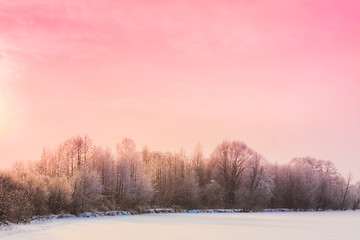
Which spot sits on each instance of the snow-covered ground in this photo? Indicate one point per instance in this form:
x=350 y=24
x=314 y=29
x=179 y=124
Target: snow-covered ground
x=209 y=226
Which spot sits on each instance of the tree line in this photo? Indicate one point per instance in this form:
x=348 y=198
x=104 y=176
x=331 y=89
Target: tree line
x=79 y=176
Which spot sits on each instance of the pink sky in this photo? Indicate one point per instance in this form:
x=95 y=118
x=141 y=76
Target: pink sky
x=282 y=76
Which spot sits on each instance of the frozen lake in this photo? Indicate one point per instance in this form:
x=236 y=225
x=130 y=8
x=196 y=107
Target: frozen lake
x=209 y=226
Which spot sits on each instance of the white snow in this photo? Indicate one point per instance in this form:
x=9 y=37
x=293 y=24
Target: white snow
x=225 y=226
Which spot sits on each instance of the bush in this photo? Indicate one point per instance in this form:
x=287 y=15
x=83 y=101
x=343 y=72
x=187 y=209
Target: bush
x=14 y=201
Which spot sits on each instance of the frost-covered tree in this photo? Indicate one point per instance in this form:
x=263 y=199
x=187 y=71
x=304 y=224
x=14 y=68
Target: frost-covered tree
x=308 y=183
x=157 y=166
x=212 y=195
x=188 y=192
x=229 y=163
x=14 y=200
x=79 y=176
x=60 y=192
x=199 y=167
x=346 y=190
x=257 y=185
x=37 y=193
x=133 y=186
x=103 y=162
x=87 y=190
x=355 y=196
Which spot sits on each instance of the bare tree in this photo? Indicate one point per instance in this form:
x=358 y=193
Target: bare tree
x=355 y=196
x=230 y=160
x=346 y=190
x=198 y=166
x=258 y=183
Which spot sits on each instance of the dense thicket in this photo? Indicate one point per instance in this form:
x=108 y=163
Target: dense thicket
x=79 y=176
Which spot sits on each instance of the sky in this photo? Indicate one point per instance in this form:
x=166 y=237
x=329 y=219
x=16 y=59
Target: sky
x=281 y=76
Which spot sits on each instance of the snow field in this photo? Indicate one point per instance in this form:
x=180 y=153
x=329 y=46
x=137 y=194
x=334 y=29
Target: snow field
x=210 y=226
